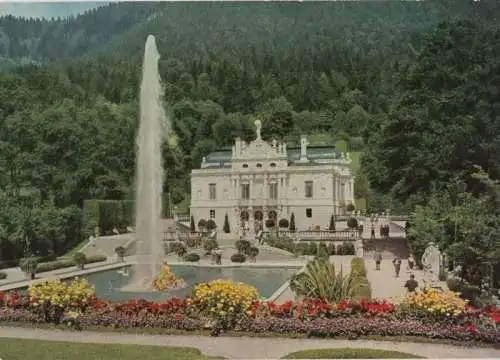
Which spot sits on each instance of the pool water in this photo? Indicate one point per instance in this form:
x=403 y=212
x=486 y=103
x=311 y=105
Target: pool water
x=266 y=280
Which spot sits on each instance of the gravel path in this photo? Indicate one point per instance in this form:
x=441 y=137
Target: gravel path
x=245 y=347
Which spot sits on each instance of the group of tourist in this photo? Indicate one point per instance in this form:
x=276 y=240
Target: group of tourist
x=411 y=285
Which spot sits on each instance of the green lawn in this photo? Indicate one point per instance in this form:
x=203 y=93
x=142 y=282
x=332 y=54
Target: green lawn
x=350 y=353
x=20 y=349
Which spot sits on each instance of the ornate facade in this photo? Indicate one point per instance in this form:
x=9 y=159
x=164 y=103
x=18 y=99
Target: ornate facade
x=256 y=181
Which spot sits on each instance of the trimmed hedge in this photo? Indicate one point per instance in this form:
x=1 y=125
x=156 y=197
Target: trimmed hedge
x=15 y=263
x=192 y=257
x=106 y=215
x=3 y=275
x=238 y=258
x=362 y=287
x=346 y=248
x=66 y=263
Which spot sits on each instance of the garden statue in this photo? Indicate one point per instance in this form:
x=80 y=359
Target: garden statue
x=431 y=260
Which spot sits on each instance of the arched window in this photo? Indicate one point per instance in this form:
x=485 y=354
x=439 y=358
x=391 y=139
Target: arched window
x=245 y=166
x=273 y=165
x=259 y=165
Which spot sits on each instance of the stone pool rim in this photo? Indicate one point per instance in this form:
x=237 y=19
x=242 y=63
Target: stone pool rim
x=23 y=284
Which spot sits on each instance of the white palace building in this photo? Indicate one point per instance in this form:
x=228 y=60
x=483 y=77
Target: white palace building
x=256 y=181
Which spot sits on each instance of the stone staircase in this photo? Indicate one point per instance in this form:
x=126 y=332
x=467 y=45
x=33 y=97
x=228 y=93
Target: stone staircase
x=388 y=247
x=170 y=225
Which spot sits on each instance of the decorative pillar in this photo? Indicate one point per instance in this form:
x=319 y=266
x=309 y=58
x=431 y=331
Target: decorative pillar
x=335 y=198
x=251 y=192
x=237 y=188
x=352 y=190
x=281 y=182
x=285 y=190
x=266 y=196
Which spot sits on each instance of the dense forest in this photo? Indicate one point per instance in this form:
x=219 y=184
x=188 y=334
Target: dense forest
x=412 y=86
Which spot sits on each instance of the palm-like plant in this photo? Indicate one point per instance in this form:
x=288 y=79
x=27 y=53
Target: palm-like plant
x=319 y=281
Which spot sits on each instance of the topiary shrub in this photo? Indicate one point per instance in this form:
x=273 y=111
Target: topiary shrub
x=352 y=223
x=322 y=250
x=80 y=259
x=226 y=227
x=312 y=248
x=202 y=224
x=350 y=207
x=331 y=227
x=340 y=249
x=192 y=227
x=192 y=257
x=190 y=242
x=283 y=223
x=348 y=248
x=238 y=258
x=270 y=223
x=301 y=248
x=178 y=248
x=242 y=246
x=292 y=227
x=331 y=249
x=252 y=252
x=210 y=245
x=211 y=225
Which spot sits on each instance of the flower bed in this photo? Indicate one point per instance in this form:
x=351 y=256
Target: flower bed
x=224 y=305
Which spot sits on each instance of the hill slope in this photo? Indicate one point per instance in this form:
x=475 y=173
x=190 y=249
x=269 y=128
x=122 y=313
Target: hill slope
x=185 y=29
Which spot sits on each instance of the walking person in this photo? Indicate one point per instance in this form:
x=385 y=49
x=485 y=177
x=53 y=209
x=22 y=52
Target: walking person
x=411 y=262
x=411 y=285
x=373 y=232
x=378 y=259
x=218 y=255
x=397 y=265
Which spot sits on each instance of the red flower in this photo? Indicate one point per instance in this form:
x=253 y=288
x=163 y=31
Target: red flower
x=471 y=328
x=178 y=317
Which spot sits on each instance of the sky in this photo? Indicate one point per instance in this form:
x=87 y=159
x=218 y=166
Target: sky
x=47 y=9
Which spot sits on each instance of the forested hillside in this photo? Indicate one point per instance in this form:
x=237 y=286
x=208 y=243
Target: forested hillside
x=413 y=85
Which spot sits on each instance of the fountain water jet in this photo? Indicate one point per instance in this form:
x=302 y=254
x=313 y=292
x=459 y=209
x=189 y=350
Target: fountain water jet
x=149 y=173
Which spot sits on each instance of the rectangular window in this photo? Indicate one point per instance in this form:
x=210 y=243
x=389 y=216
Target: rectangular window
x=309 y=213
x=309 y=189
x=212 y=190
x=212 y=214
x=245 y=191
x=273 y=191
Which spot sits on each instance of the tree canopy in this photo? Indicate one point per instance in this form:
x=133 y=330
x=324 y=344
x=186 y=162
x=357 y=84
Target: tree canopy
x=412 y=87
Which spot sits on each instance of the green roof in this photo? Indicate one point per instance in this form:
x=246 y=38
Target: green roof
x=222 y=157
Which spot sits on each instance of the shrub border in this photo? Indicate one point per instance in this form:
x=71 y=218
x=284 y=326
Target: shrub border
x=66 y=263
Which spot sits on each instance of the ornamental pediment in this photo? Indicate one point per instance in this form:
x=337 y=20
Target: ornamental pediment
x=258 y=149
